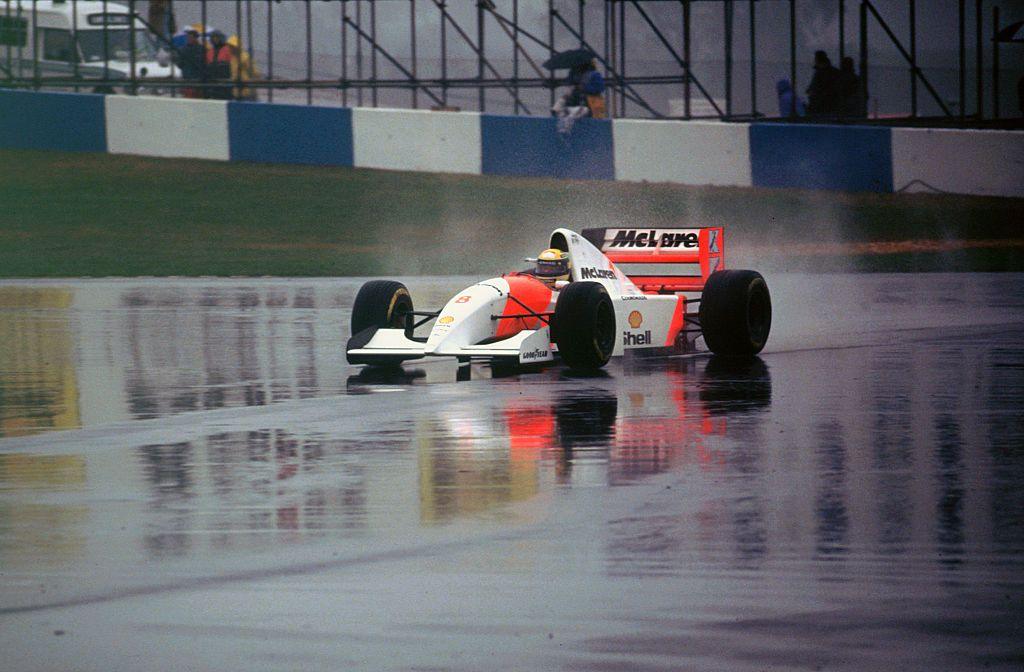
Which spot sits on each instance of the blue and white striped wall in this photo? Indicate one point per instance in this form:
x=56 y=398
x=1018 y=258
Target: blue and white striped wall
x=805 y=156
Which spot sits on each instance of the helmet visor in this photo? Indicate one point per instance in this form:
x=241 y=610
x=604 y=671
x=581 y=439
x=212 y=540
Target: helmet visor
x=552 y=268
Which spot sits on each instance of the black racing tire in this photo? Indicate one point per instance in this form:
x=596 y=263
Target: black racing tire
x=381 y=304
x=585 y=328
x=735 y=313
x=586 y=420
x=730 y=384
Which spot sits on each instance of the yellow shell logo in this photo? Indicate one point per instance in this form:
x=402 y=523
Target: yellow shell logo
x=635 y=319
x=447 y=319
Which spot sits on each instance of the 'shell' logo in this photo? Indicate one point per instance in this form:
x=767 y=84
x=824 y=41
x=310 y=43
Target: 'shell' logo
x=447 y=319
x=635 y=319
x=629 y=338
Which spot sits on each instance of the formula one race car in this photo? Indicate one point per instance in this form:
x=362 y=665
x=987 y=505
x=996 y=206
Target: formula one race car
x=598 y=310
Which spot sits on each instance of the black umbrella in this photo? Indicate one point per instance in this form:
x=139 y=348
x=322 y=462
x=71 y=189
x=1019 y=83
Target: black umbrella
x=1011 y=33
x=569 y=59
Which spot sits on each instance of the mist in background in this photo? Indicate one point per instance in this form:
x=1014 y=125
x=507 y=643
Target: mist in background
x=817 y=27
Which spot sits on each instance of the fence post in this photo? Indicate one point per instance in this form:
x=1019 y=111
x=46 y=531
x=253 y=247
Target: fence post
x=482 y=99
x=864 y=55
x=270 y=48
x=309 y=53
x=727 y=20
x=753 y=59
x=792 y=56
x=412 y=45
x=962 y=56
x=686 y=58
x=979 y=58
x=913 y=58
x=995 y=62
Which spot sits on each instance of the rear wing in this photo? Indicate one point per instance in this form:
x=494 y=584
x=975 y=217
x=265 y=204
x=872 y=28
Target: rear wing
x=684 y=258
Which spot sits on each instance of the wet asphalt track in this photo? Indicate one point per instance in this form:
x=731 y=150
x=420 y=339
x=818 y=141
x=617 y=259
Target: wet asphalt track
x=227 y=493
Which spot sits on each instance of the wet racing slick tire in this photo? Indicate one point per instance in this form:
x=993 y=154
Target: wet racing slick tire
x=381 y=304
x=735 y=313
x=584 y=325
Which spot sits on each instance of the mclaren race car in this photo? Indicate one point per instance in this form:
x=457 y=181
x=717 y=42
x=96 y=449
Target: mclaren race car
x=625 y=291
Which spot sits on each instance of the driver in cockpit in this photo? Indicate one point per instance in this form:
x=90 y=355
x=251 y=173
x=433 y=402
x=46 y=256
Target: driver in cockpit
x=552 y=266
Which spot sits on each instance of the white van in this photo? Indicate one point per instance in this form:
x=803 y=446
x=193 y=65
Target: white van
x=80 y=40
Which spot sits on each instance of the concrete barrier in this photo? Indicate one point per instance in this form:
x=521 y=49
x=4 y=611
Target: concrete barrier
x=807 y=156
x=420 y=140
x=532 y=146
x=290 y=134
x=698 y=153
x=172 y=127
x=813 y=156
x=989 y=163
x=69 y=122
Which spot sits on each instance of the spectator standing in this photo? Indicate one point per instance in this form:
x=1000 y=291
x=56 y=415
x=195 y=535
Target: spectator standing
x=851 y=97
x=191 y=58
x=218 y=66
x=242 y=69
x=790 y=104
x=823 y=93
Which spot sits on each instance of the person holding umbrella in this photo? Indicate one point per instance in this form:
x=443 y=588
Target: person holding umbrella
x=585 y=97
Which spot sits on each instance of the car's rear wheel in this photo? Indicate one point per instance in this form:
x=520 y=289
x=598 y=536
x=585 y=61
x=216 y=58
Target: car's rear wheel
x=584 y=325
x=381 y=304
x=735 y=313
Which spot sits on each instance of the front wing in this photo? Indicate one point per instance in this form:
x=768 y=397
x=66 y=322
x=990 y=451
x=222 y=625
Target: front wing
x=392 y=345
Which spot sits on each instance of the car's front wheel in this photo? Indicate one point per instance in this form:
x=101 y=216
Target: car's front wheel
x=584 y=325
x=381 y=304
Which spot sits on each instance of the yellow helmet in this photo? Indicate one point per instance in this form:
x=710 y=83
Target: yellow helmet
x=553 y=265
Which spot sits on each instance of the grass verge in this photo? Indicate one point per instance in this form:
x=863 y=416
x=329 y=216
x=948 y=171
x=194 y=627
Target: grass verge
x=70 y=215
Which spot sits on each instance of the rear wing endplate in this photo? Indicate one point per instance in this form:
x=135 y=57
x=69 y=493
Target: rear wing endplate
x=685 y=257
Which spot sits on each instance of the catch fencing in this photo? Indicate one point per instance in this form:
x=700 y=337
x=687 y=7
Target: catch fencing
x=664 y=59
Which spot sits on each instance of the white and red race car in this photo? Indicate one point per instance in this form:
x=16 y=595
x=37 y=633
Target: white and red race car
x=629 y=290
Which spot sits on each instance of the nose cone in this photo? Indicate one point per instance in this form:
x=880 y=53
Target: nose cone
x=466 y=319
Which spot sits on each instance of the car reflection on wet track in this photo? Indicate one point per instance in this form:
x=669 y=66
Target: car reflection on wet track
x=224 y=485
